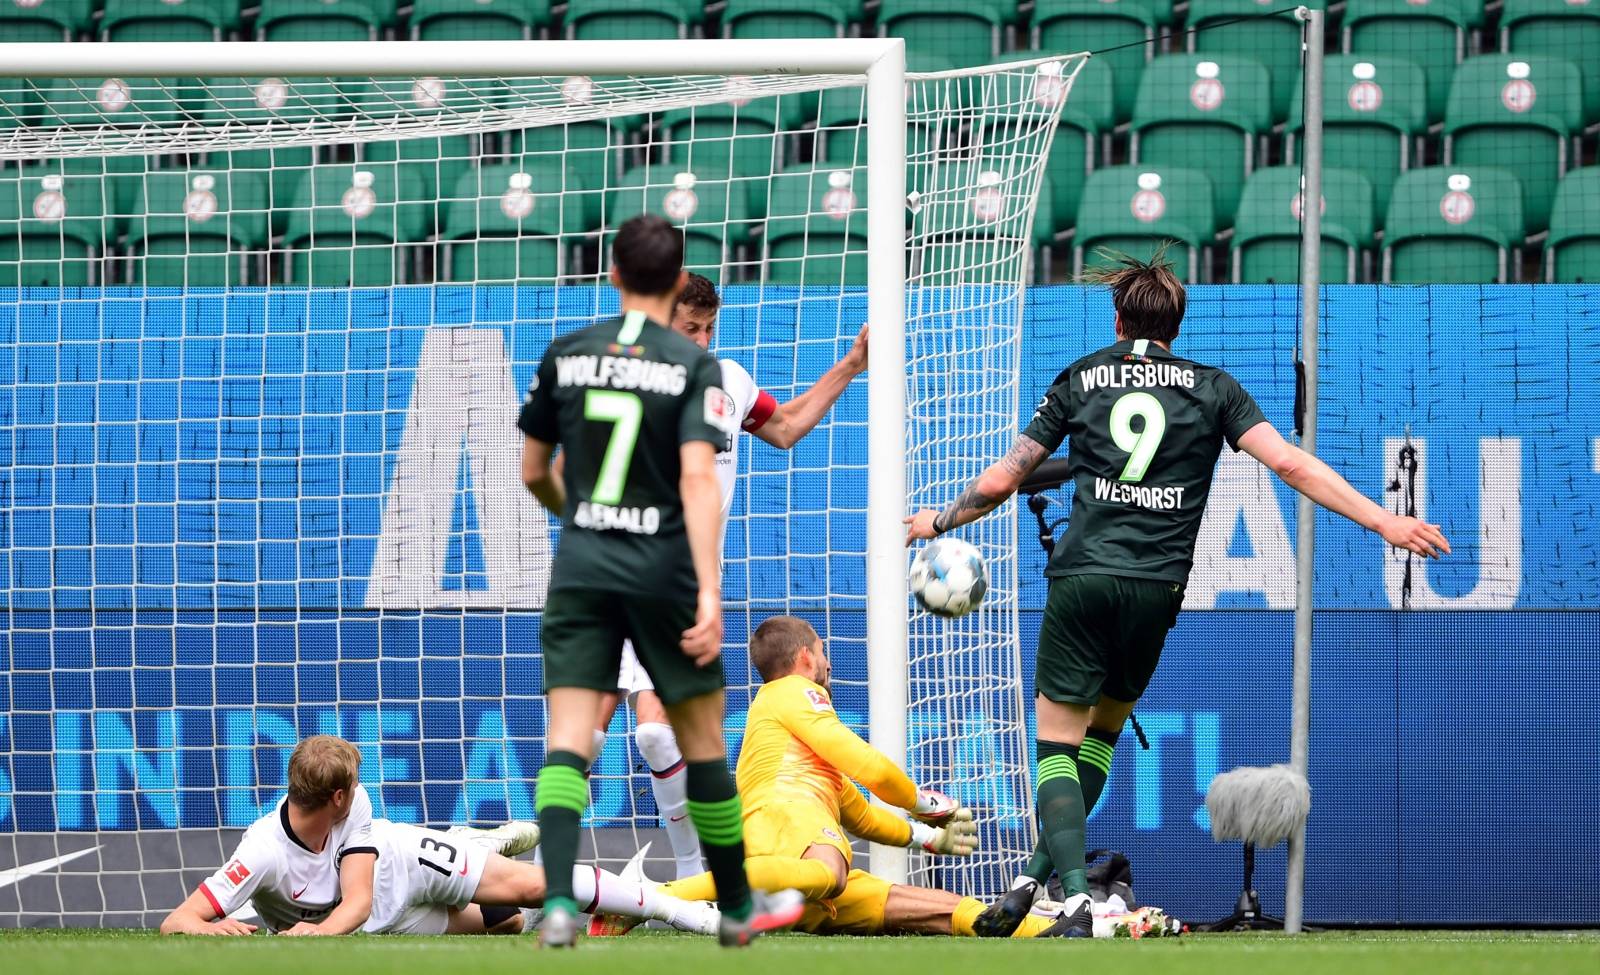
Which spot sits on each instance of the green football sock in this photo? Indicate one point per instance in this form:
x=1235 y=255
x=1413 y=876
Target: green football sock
x=719 y=820
x=1094 y=768
x=562 y=794
x=1061 y=813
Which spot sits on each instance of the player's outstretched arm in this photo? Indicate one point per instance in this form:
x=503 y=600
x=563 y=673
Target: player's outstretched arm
x=983 y=495
x=791 y=421
x=355 y=898
x=196 y=916
x=702 y=516
x=541 y=476
x=1319 y=482
x=957 y=837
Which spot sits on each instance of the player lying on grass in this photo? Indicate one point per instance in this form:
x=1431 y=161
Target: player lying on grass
x=320 y=864
x=782 y=425
x=794 y=774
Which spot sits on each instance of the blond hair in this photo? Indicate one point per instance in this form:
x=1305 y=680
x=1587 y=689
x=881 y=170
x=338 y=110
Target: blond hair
x=320 y=766
x=1148 y=297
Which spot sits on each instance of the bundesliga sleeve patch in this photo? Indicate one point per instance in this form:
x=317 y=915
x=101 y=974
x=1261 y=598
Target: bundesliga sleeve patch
x=236 y=873
x=719 y=411
x=819 y=701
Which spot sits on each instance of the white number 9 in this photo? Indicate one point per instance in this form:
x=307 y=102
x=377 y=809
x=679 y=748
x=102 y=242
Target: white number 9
x=1140 y=446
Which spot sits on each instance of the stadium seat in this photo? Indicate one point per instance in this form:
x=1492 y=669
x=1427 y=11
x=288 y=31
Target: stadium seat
x=1236 y=27
x=510 y=222
x=641 y=20
x=592 y=148
x=1203 y=112
x=19 y=103
x=112 y=101
x=727 y=140
x=47 y=20
x=323 y=20
x=1572 y=251
x=1374 y=113
x=1124 y=29
x=479 y=20
x=763 y=19
x=1450 y=225
x=1432 y=34
x=816 y=228
x=168 y=20
x=1266 y=237
x=714 y=214
x=51 y=228
x=257 y=102
x=963 y=32
x=1136 y=209
x=1517 y=112
x=198 y=228
x=1087 y=114
x=842 y=139
x=437 y=161
x=1559 y=29
x=965 y=208
x=349 y=225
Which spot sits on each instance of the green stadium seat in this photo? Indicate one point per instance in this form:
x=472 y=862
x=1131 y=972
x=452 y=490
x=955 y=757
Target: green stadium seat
x=1206 y=112
x=168 y=20
x=1517 y=112
x=592 y=148
x=816 y=228
x=1124 y=29
x=437 y=161
x=283 y=168
x=1137 y=209
x=349 y=226
x=52 y=231
x=778 y=19
x=1266 y=237
x=1087 y=115
x=47 y=20
x=19 y=103
x=964 y=32
x=714 y=214
x=1572 y=251
x=1239 y=29
x=198 y=228
x=642 y=20
x=323 y=20
x=257 y=101
x=964 y=209
x=479 y=20
x=1374 y=112
x=726 y=141
x=1450 y=225
x=113 y=101
x=510 y=222
x=1561 y=29
x=842 y=139
x=1433 y=35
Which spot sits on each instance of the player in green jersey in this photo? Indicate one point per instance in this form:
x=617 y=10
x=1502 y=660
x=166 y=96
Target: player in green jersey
x=639 y=413
x=1146 y=428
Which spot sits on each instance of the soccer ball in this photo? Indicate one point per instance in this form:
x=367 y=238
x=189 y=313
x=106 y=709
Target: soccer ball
x=948 y=577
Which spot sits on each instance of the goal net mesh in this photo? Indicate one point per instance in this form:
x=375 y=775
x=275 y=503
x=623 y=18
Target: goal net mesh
x=264 y=340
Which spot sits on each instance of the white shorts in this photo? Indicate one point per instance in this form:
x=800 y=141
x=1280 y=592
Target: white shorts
x=421 y=875
x=632 y=677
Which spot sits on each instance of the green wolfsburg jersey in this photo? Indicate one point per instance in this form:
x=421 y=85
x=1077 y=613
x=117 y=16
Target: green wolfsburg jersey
x=1146 y=428
x=621 y=397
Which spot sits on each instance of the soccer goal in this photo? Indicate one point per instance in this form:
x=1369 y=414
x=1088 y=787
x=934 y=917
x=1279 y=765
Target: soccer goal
x=267 y=312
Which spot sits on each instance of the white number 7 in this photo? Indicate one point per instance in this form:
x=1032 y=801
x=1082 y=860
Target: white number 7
x=1141 y=446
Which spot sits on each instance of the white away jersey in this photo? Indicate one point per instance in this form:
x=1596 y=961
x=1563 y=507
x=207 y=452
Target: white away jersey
x=279 y=875
x=753 y=408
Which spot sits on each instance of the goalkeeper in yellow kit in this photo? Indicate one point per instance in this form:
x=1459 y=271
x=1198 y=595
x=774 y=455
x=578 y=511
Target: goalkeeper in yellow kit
x=794 y=777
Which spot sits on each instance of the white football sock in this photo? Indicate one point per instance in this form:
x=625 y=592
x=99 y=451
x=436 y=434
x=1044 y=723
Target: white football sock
x=600 y=891
x=660 y=750
x=599 y=746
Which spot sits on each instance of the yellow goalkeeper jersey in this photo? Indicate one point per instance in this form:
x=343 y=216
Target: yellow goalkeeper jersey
x=797 y=751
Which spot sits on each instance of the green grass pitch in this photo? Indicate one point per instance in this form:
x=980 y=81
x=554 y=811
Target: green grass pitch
x=1402 y=953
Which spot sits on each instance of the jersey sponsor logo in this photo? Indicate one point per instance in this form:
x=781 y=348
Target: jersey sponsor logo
x=819 y=701
x=1155 y=498
x=605 y=517
x=620 y=372
x=236 y=872
x=633 y=351
x=720 y=413
x=1137 y=375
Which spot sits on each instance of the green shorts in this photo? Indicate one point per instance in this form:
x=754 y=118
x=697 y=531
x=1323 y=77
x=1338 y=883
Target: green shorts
x=1103 y=635
x=582 y=635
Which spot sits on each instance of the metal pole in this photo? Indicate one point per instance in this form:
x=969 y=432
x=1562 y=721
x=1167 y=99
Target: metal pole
x=1306 y=528
x=887 y=624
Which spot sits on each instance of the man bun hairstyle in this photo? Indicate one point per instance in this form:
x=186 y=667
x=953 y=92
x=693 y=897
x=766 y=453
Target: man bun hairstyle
x=1148 y=297
x=699 y=292
x=648 y=255
x=320 y=766
x=777 y=642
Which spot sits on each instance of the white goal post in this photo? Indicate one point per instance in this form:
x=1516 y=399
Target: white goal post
x=948 y=246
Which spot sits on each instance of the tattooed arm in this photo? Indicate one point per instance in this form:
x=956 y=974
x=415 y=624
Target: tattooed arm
x=983 y=495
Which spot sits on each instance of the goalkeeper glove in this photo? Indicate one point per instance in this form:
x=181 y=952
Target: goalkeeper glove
x=934 y=807
x=958 y=837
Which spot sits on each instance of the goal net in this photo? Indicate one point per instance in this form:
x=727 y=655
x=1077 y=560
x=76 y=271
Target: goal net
x=264 y=341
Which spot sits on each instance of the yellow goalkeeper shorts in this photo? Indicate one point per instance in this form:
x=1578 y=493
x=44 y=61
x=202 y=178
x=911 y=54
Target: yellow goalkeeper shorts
x=788 y=829
x=859 y=910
